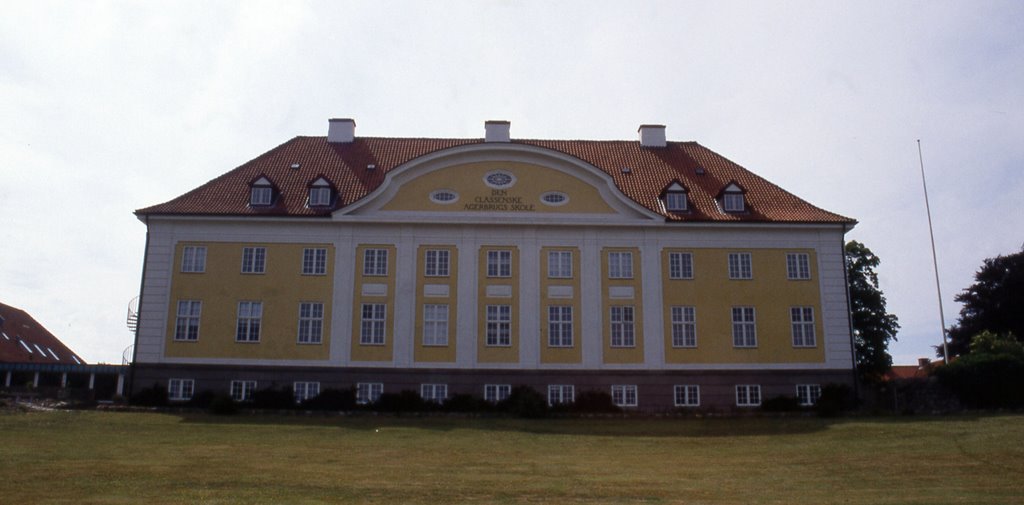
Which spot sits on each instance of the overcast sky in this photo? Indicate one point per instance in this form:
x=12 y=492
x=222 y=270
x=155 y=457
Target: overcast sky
x=107 y=107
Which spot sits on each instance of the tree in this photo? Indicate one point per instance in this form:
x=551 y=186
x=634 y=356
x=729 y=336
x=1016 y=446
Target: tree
x=873 y=327
x=994 y=303
x=991 y=376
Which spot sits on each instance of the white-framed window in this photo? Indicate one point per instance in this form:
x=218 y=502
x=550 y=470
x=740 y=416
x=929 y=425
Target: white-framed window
x=680 y=265
x=684 y=326
x=436 y=262
x=444 y=196
x=250 y=317
x=180 y=390
x=624 y=395
x=495 y=393
x=319 y=196
x=554 y=198
x=314 y=261
x=802 y=319
x=254 y=260
x=311 y=322
x=499 y=179
x=623 y=331
x=193 y=259
x=241 y=391
x=499 y=325
x=808 y=394
x=435 y=324
x=186 y=326
x=732 y=201
x=261 y=196
x=375 y=262
x=675 y=201
x=560 y=264
x=499 y=263
x=687 y=395
x=436 y=393
x=305 y=390
x=368 y=392
x=560 y=394
x=740 y=266
x=560 y=325
x=748 y=395
x=744 y=327
x=371 y=326
x=620 y=265
x=798 y=266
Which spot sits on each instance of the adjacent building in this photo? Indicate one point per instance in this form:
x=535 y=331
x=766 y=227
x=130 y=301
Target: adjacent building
x=657 y=271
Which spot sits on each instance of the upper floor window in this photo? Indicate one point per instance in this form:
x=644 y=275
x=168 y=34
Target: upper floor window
x=560 y=325
x=740 y=266
x=620 y=265
x=261 y=193
x=435 y=324
x=744 y=327
x=193 y=259
x=437 y=262
x=560 y=264
x=733 y=199
x=623 y=331
x=319 y=196
x=375 y=262
x=499 y=263
x=680 y=265
x=499 y=179
x=499 y=325
x=554 y=198
x=802 y=320
x=186 y=326
x=684 y=326
x=314 y=261
x=250 y=317
x=311 y=322
x=798 y=266
x=372 y=324
x=675 y=201
x=444 y=196
x=254 y=260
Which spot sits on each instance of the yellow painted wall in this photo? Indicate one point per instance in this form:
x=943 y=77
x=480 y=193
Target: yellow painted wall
x=374 y=352
x=713 y=295
x=549 y=354
x=622 y=354
x=468 y=181
x=281 y=288
x=436 y=353
x=497 y=354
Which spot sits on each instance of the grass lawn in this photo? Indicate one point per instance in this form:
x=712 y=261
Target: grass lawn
x=111 y=457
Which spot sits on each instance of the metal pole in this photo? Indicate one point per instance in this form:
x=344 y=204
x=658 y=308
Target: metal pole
x=935 y=261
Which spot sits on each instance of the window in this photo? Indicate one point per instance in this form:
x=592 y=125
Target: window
x=624 y=396
x=180 y=389
x=314 y=261
x=375 y=262
x=186 y=327
x=620 y=265
x=436 y=393
x=680 y=265
x=241 y=391
x=254 y=260
x=305 y=390
x=739 y=266
x=808 y=394
x=732 y=201
x=371 y=330
x=250 y=315
x=193 y=259
x=499 y=263
x=744 y=333
x=622 y=326
x=687 y=396
x=495 y=393
x=748 y=395
x=560 y=325
x=554 y=198
x=675 y=201
x=499 y=325
x=319 y=196
x=261 y=195
x=560 y=264
x=368 y=392
x=803 y=326
x=444 y=196
x=499 y=179
x=684 y=327
x=436 y=263
x=561 y=394
x=435 y=324
x=311 y=322
x=798 y=266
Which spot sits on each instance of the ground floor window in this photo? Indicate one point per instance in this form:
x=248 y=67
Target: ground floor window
x=368 y=392
x=624 y=396
x=748 y=395
x=687 y=396
x=808 y=394
x=180 y=389
x=561 y=393
x=305 y=390
x=495 y=393
x=241 y=391
x=436 y=393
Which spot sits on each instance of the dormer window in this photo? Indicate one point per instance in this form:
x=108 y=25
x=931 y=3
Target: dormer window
x=321 y=193
x=733 y=199
x=261 y=193
x=674 y=197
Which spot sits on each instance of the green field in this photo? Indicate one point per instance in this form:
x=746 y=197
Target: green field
x=111 y=457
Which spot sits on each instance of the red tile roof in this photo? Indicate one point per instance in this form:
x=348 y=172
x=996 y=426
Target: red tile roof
x=345 y=165
x=24 y=340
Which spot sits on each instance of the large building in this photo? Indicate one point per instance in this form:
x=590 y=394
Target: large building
x=659 y=272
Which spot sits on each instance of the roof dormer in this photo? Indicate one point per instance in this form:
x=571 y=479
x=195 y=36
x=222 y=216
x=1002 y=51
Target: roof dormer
x=321 y=193
x=732 y=198
x=674 y=197
x=262 y=192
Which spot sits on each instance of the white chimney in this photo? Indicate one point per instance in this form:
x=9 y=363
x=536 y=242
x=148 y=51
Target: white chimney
x=496 y=131
x=341 y=130
x=652 y=135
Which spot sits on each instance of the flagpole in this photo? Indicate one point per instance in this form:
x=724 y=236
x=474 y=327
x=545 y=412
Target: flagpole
x=935 y=261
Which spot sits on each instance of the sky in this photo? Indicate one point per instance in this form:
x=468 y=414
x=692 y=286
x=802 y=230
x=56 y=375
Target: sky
x=108 y=107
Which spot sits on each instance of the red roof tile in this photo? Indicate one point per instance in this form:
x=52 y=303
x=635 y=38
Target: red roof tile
x=24 y=340
x=345 y=165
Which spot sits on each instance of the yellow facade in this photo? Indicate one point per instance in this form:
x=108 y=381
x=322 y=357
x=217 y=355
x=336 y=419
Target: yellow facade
x=713 y=295
x=559 y=287
x=428 y=289
x=504 y=291
x=281 y=288
x=374 y=289
x=609 y=299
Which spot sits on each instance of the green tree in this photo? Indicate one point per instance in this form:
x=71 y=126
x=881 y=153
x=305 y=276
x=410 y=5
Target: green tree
x=991 y=375
x=873 y=327
x=994 y=303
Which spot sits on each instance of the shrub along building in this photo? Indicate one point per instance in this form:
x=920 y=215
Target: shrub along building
x=659 y=272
